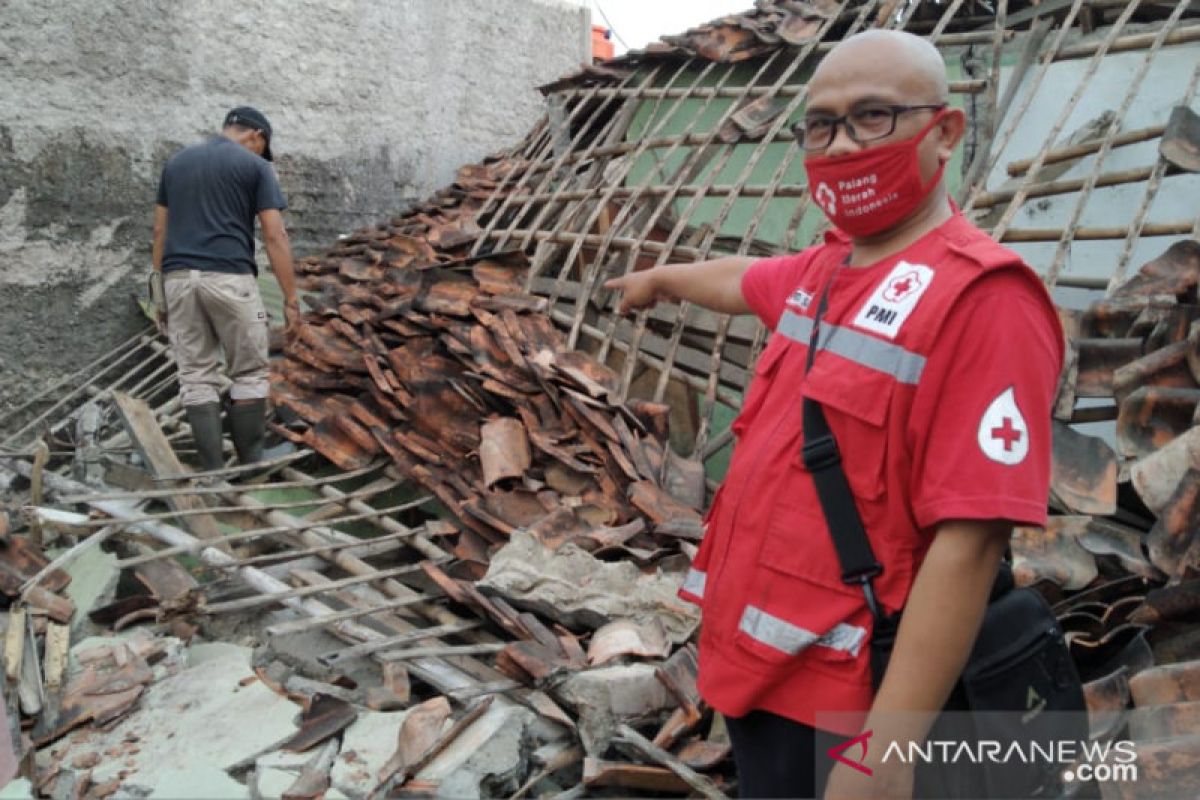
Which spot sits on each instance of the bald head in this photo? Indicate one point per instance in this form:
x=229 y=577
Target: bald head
x=904 y=65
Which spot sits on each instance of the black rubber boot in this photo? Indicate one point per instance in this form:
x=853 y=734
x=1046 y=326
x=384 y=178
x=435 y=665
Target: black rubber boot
x=205 y=420
x=248 y=426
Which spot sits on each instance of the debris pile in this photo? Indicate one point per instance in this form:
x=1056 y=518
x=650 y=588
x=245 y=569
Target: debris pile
x=445 y=365
x=321 y=626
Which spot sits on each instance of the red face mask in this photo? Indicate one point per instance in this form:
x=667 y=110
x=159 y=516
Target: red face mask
x=874 y=189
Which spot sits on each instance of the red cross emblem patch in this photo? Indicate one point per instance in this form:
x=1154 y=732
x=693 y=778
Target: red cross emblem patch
x=902 y=286
x=1003 y=435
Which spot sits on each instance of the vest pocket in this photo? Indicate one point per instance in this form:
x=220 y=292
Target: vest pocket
x=787 y=617
x=764 y=368
x=857 y=404
x=798 y=602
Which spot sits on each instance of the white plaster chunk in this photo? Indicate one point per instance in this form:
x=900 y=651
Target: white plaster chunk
x=573 y=587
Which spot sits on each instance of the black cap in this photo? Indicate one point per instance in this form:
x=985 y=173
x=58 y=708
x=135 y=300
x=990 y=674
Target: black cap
x=249 y=117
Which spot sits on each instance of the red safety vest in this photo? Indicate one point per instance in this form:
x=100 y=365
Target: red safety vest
x=781 y=632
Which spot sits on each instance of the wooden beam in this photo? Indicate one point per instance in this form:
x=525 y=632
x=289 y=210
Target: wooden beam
x=152 y=443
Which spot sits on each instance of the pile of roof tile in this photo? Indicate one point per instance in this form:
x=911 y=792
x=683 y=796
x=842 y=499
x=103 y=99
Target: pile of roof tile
x=1122 y=555
x=446 y=366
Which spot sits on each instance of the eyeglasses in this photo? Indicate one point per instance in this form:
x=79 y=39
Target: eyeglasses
x=863 y=124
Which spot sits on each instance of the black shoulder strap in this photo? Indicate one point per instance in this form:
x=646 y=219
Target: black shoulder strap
x=823 y=460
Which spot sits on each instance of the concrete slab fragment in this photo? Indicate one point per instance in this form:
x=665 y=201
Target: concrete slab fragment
x=485 y=760
x=366 y=747
x=270 y=784
x=187 y=783
x=19 y=789
x=203 y=652
x=604 y=697
x=94 y=575
x=208 y=714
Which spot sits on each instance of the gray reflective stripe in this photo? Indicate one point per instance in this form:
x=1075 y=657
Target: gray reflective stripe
x=903 y=365
x=791 y=639
x=694 y=582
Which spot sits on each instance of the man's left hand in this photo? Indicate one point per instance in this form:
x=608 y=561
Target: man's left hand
x=893 y=781
x=291 y=319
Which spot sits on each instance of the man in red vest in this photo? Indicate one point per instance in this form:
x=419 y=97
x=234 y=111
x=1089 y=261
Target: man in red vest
x=936 y=365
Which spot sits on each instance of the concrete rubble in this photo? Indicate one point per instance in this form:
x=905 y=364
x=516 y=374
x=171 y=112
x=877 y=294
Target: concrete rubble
x=464 y=581
x=576 y=589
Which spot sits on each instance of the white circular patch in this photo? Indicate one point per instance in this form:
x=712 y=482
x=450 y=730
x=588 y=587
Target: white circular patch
x=1003 y=435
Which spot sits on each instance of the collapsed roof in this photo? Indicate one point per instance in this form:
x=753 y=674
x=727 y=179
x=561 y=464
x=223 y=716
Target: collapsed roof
x=468 y=345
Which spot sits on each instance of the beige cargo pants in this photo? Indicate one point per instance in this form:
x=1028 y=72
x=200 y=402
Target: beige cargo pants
x=211 y=312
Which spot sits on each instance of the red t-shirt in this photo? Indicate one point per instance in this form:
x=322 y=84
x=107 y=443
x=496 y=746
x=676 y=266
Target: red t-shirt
x=937 y=379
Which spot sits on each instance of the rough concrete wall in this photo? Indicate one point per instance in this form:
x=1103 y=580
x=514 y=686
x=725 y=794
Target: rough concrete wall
x=375 y=103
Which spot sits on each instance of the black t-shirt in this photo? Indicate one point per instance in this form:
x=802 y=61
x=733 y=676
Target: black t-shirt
x=212 y=192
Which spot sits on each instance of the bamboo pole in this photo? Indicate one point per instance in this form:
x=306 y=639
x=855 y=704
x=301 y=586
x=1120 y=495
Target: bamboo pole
x=1055 y=156
x=572 y=154
x=150 y=494
x=305 y=591
x=1151 y=192
x=999 y=147
x=417 y=541
x=1064 y=243
x=600 y=207
x=1051 y=188
x=540 y=162
x=442 y=675
x=299 y=625
x=132 y=343
x=708 y=396
x=1018 y=200
x=236 y=509
x=622 y=192
x=83 y=387
x=976 y=178
x=1137 y=41
x=1091 y=234
x=367 y=546
x=595 y=240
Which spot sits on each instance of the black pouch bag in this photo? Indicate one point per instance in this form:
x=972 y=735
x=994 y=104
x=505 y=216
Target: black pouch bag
x=1019 y=668
x=1018 y=679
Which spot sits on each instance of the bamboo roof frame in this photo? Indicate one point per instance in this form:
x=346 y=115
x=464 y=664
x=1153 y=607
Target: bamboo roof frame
x=584 y=218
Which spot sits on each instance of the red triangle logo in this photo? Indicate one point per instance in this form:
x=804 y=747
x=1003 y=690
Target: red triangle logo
x=837 y=753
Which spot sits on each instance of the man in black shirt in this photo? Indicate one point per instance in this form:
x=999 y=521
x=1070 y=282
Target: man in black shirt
x=206 y=278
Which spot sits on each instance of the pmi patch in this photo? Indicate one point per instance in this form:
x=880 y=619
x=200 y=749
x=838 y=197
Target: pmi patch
x=894 y=299
x=1003 y=435
x=800 y=300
